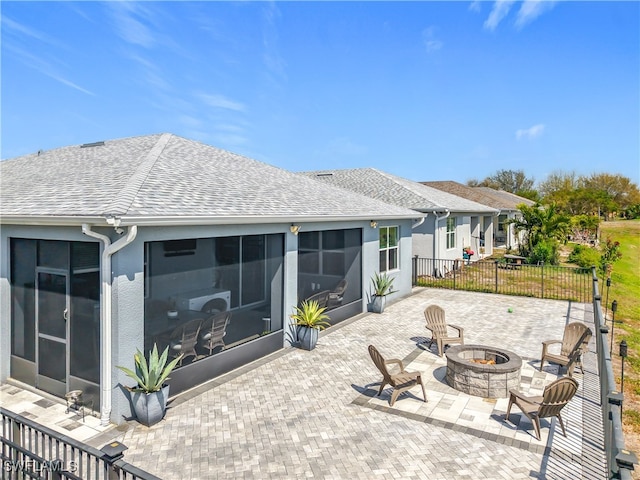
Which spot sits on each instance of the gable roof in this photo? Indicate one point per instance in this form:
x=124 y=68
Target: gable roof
x=163 y=178
x=397 y=190
x=486 y=196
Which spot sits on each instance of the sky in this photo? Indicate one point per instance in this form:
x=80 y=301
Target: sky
x=420 y=89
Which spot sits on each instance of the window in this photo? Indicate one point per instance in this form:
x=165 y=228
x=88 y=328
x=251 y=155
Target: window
x=388 y=248
x=451 y=232
x=197 y=277
x=330 y=262
x=501 y=220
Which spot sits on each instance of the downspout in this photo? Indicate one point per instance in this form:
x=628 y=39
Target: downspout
x=436 y=233
x=105 y=309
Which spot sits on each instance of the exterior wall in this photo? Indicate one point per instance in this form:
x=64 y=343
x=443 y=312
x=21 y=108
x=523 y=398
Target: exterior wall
x=423 y=240
x=127 y=331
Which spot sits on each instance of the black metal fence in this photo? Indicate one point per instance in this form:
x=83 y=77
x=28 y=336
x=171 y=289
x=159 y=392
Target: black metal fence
x=33 y=451
x=540 y=281
x=620 y=462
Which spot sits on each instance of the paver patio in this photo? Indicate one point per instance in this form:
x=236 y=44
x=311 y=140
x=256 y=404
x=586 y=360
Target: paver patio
x=299 y=414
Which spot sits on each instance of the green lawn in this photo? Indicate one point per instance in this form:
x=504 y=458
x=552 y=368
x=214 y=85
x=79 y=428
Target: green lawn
x=625 y=288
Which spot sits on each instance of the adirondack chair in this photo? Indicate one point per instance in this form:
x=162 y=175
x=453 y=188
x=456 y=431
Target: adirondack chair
x=574 y=343
x=400 y=380
x=554 y=398
x=439 y=329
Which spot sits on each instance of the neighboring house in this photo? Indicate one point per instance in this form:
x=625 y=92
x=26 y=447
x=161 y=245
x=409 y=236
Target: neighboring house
x=100 y=241
x=452 y=222
x=507 y=204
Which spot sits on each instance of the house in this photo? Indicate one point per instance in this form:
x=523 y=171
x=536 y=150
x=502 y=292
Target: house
x=506 y=202
x=110 y=247
x=452 y=223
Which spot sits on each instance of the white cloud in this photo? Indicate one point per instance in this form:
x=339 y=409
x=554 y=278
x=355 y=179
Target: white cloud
x=130 y=29
x=220 y=101
x=498 y=12
x=430 y=41
x=532 y=9
x=530 y=133
x=475 y=6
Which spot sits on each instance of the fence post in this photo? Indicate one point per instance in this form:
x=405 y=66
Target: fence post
x=113 y=452
x=414 y=273
x=542 y=279
x=496 y=263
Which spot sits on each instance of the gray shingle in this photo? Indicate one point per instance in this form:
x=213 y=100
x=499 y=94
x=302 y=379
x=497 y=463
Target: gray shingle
x=397 y=190
x=165 y=175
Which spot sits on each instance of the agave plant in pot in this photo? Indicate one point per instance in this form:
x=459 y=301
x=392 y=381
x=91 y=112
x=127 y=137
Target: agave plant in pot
x=309 y=319
x=150 y=396
x=382 y=285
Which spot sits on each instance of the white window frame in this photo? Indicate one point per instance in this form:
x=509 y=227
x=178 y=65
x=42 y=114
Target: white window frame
x=452 y=224
x=389 y=250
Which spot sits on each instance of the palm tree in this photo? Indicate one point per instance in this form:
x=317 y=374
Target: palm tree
x=540 y=225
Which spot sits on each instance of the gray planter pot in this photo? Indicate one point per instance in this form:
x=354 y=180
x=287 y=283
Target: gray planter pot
x=150 y=407
x=307 y=337
x=377 y=304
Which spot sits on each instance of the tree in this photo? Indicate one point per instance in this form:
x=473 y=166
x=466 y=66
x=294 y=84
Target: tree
x=599 y=194
x=513 y=181
x=617 y=192
x=542 y=230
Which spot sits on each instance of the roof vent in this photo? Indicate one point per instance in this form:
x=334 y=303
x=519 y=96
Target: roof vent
x=324 y=174
x=94 y=144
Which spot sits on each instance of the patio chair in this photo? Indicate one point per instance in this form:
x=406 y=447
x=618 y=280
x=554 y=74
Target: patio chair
x=439 y=329
x=574 y=343
x=555 y=396
x=213 y=331
x=321 y=297
x=400 y=380
x=335 y=295
x=184 y=339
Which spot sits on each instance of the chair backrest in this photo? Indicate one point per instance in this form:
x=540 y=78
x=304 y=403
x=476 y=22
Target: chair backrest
x=576 y=335
x=188 y=336
x=434 y=315
x=321 y=297
x=340 y=288
x=378 y=360
x=216 y=325
x=556 y=395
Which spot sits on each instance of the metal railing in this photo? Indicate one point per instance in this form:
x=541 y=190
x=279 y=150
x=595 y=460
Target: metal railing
x=620 y=462
x=33 y=451
x=494 y=276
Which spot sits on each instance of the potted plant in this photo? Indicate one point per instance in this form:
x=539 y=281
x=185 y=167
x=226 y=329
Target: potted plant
x=149 y=397
x=382 y=286
x=309 y=319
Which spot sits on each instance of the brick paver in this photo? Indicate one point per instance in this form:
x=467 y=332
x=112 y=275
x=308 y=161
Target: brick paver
x=299 y=414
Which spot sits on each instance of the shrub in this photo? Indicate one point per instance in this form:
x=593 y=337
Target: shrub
x=584 y=256
x=544 y=252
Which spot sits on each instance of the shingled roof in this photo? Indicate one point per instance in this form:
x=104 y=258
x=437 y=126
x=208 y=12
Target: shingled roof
x=487 y=196
x=397 y=190
x=162 y=178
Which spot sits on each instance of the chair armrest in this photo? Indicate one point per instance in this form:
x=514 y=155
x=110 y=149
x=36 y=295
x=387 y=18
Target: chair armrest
x=551 y=342
x=459 y=329
x=395 y=361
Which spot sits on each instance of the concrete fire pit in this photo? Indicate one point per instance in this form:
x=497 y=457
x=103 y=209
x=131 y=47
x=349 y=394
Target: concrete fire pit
x=483 y=371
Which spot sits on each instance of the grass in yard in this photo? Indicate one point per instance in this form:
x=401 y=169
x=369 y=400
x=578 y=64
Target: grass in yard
x=625 y=288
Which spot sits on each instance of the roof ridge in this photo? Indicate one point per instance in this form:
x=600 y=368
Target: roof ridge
x=121 y=204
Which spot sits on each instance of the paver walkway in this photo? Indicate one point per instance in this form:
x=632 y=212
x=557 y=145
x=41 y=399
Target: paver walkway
x=299 y=414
